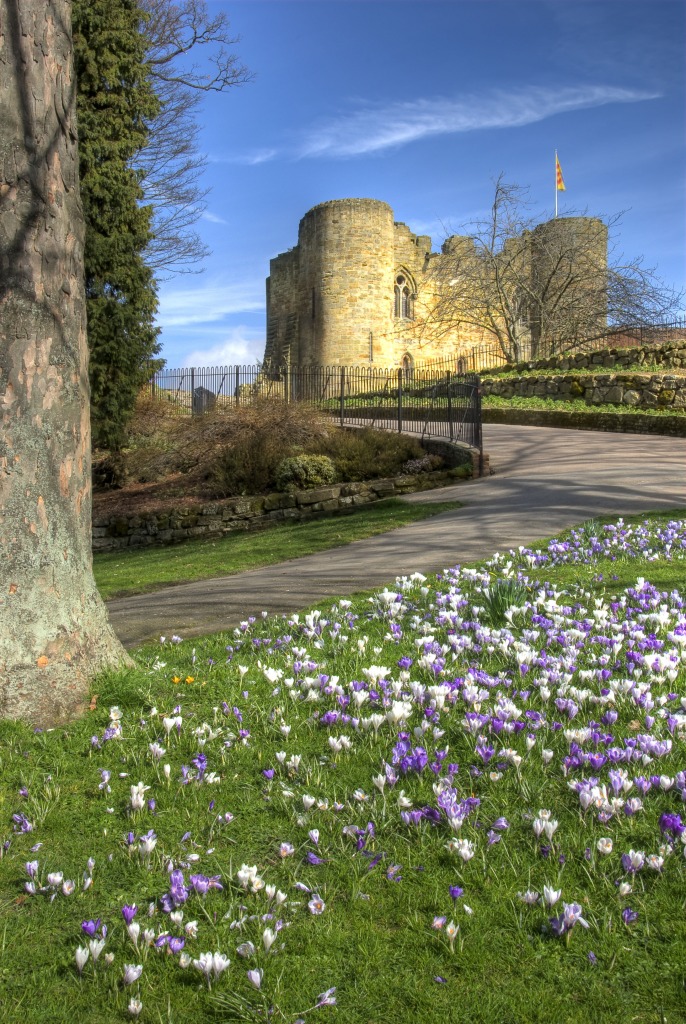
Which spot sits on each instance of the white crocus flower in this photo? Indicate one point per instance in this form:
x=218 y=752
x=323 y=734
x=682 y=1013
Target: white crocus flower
x=96 y=947
x=219 y=964
x=550 y=895
x=132 y=973
x=379 y=781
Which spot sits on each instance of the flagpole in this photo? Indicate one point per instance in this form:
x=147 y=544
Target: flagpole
x=555 y=183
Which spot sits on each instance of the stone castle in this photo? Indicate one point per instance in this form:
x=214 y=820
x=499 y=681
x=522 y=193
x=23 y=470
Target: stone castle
x=360 y=288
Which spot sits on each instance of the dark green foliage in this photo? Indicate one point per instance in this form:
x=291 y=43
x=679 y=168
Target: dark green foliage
x=114 y=101
x=502 y=597
x=302 y=471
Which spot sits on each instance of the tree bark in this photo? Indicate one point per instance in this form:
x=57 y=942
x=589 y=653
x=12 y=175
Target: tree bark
x=55 y=634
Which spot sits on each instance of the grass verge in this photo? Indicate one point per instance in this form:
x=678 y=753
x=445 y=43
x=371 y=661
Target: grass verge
x=143 y=570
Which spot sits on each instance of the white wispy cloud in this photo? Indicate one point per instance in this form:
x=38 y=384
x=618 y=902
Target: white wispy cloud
x=374 y=129
x=212 y=217
x=241 y=344
x=208 y=302
x=250 y=159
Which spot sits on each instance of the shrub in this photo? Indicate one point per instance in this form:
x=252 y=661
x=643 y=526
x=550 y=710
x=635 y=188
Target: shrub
x=261 y=436
x=368 y=454
x=241 y=450
x=303 y=471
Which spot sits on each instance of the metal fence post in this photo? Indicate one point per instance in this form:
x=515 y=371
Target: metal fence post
x=478 y=435
x=342 y=395
x=238 y=382
x=400 y=401
x=192 y=385
x=450 y=405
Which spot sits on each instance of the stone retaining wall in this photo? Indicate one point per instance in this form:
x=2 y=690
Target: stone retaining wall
x=616 y=422
x=638 y=390
x=218 y=518
x=671 y=355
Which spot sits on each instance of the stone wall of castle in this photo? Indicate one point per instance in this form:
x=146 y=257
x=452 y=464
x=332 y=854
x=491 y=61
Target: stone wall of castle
x=331 y=300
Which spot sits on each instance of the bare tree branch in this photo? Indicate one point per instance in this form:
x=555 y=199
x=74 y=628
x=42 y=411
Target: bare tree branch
x=171 y=165
x=176 y=30
x=538 y=288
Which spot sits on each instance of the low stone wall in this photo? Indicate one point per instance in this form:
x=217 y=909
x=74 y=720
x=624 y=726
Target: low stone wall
x=616 y=422
x=218 y=518
x=671 y=355
x=638 y=390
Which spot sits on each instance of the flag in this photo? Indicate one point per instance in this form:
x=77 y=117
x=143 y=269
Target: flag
x=559 y=180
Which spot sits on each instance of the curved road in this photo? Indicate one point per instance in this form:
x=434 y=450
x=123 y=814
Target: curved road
x=545 y=480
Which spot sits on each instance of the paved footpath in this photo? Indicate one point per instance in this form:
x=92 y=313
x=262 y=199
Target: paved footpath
x=545 y=480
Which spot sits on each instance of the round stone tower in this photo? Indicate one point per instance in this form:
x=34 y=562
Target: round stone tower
x=346 y=279
x=569 y=260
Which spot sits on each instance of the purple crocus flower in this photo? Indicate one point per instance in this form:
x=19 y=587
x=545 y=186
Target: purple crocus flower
x=629 y=915
x=200 y=762
x=312 y=858
x=455 y=891
x=129 y=912
x=200 y=883
x=176 y=944
x=90 y=927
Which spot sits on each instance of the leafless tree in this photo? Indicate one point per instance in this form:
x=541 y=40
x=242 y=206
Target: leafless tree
x=54 y=633
x=537 y=288
x=171 y=165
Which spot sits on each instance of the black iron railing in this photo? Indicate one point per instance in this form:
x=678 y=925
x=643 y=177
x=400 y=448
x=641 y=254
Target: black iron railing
x=435 y=402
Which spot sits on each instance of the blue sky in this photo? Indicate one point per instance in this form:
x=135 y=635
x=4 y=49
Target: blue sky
x=423 y=104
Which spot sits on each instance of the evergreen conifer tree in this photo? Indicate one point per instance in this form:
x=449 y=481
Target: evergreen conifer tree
x=115 y=101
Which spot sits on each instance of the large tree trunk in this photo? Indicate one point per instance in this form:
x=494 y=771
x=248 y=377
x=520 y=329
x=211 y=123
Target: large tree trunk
x=54 y=630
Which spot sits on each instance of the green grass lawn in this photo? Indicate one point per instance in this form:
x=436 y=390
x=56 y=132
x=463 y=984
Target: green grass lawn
x=280 y=766
x=141 y=570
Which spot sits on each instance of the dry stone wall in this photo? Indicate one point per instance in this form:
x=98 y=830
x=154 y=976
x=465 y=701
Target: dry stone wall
x=634 y=389
x=614 y=422
x=671 y=355
x=218 y=518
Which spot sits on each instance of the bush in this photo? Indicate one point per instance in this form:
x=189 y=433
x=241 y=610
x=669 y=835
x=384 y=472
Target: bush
x=303 y=471
x=368 y=454
x=261 y=436
x=243 y=450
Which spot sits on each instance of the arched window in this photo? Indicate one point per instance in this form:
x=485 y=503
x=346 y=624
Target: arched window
x=408 y=366
x=402 y=298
